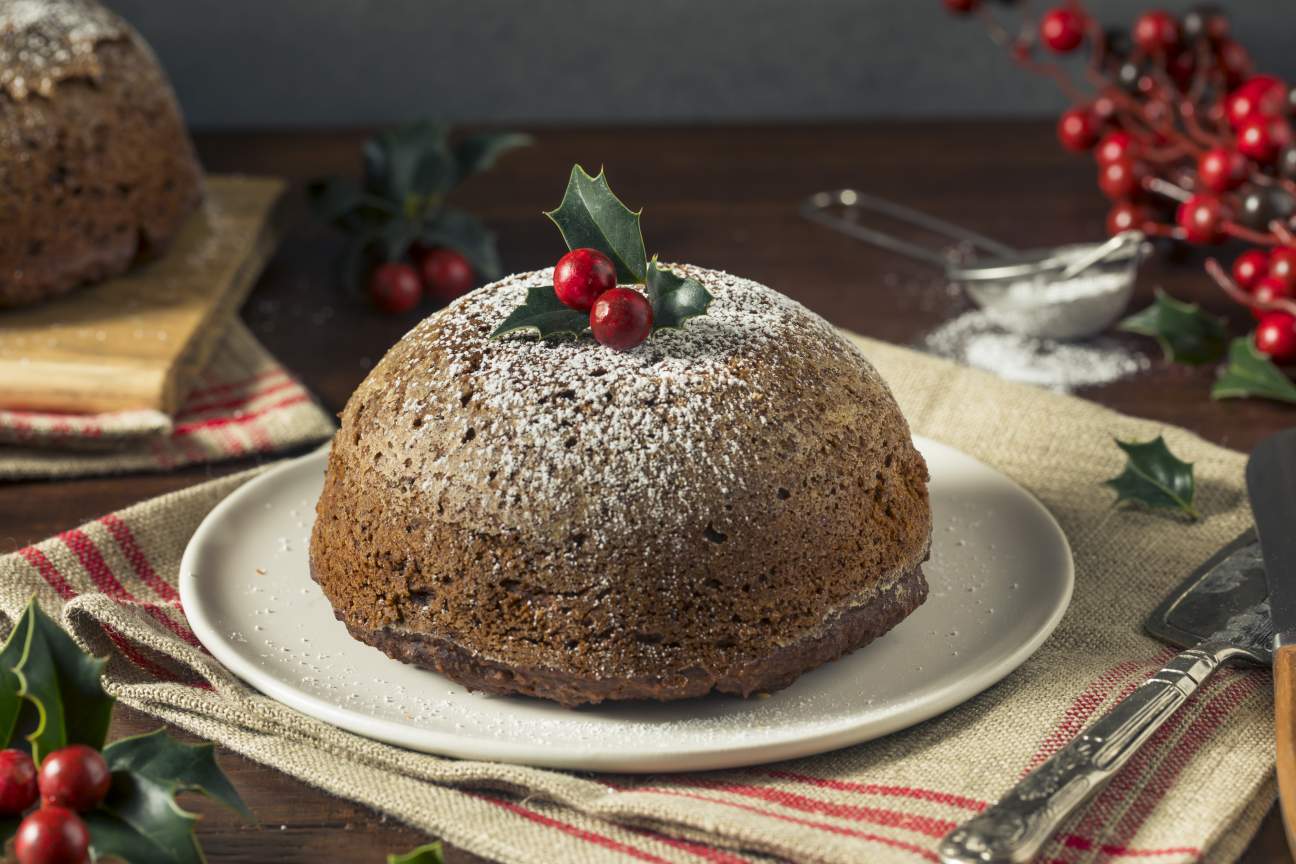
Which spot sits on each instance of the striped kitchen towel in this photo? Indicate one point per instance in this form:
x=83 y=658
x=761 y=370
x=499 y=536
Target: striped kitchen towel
x=1196 y=792
x=243 y=403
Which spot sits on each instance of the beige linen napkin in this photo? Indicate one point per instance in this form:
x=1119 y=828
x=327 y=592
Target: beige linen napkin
x=1196 y=792
x=243 y=402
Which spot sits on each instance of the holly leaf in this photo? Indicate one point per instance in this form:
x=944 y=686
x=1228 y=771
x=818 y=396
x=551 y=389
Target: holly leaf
x=543 y=314
x=427 y=854
x=674 y=298
x=411 y=162
x=54 y=677
x=478 y=153
x=1185 y=332
x=182 y=767
x=591 y=216
x=140 y=819
x=1155 y=477
x=467 y=234
x=1250 y=373
x=339 y=202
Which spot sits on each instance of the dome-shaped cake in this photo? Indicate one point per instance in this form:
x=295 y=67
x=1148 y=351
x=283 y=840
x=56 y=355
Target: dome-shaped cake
x=96 y=168
x=722 y=508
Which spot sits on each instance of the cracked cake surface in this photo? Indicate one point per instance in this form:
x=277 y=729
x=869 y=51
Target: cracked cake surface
x=721 y=508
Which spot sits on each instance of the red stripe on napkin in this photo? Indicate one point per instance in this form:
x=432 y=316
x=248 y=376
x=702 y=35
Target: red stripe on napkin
x=567 y=828
x=104 y=579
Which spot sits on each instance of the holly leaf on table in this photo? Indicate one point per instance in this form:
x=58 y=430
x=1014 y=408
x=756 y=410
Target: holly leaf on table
x=478 y=153
x=411 y=162
x=44 y=670
x=464 y=232
x=341 y=203
x=591 y=216
x=1250 y=373
x=674 y=298
x=427 y=854
x=1185 y=332
x=140 y=819
x=543 y=314
x=1155 y=477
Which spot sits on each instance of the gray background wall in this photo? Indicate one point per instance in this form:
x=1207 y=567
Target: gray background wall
x=239 y=63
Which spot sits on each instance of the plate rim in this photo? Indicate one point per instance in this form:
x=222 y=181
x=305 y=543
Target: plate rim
x=843 y=734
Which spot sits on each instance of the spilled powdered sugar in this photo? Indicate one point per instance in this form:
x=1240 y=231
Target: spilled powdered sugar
x=975 y=339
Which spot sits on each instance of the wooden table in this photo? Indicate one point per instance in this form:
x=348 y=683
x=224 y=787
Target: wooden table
x=720 y=197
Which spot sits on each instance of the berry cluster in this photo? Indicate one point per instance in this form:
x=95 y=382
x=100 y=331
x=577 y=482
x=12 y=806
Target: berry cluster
x=1190 y=143
x=443 y=274
x=586 y=280
x=70 y=781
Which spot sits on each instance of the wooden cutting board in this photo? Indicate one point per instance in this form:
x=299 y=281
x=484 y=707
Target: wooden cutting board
x=137 y=340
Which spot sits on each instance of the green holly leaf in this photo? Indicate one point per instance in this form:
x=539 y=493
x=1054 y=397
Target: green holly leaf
x=47 y=672
x=182 y=767
x=1154 y=477
x=591 y=216
x=339 y=202
x=1250 y=373
x=428 y=854
x=478 y=153
x=1185 y=332
x=140 y=819
x=543 y=314
x=411 y=162
x=465 y=233
x=674 y=298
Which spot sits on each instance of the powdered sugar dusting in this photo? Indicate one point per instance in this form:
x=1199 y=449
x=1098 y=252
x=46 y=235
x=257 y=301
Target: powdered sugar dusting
x=549 y=421
x=43 y=42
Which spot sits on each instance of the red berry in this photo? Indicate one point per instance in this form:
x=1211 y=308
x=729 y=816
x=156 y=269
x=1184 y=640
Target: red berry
x=1234 y=61
x=1156 y=31
x=1121 y=179
x=1275 y=336
x=1126 y=216
x=1062 y=29
x=17 y=782
x=1249 y=268
x=52 y=835
x=962 y=7
x=446 y=273
x=1114 y=146
x=1202 y=218
x=581 y=276
x=395 y=288
x=1262 y=138
x=1282 y=265
x=75 y=777
x=1077 y=129
x=1259 y=96
x=1221 y=169
x=621 y=318
x=1267 y=290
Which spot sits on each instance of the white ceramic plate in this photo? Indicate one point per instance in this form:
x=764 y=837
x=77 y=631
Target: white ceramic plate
x=1000 y=576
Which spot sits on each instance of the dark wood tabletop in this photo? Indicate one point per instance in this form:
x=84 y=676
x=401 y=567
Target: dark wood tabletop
x=716 y=196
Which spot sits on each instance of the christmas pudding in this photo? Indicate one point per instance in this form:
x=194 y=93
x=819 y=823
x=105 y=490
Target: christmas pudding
x=96 y=167
x=720 y=507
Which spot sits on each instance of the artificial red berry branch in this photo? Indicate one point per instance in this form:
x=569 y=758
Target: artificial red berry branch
x=1191 y=143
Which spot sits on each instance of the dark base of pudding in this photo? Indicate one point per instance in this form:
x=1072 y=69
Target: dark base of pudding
x=852 y=629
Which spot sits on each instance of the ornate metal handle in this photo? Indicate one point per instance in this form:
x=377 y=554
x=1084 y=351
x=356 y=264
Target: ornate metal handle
x=1015 y=827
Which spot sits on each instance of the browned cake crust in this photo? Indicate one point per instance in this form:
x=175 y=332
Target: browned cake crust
x=849 y=629
x=721 y=508
x=96 y=168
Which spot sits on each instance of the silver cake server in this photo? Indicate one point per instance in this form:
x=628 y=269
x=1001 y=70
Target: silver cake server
x=1220 y=614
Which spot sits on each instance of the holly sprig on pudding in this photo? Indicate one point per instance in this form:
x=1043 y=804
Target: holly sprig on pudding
x=597 y=284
